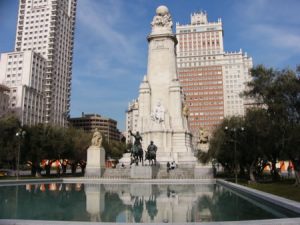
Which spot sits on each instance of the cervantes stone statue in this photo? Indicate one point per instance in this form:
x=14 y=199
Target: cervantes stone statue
x=95 y=156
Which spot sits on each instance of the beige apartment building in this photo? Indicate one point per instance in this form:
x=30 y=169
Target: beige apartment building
x=46 y=29
x=4 y=100
x=23 y=73
x=89 y=122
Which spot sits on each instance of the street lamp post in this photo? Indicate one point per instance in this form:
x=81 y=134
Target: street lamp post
x=20 y=134
x=234 y=130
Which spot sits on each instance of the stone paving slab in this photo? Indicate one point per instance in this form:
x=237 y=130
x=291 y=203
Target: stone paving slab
x=290 y=221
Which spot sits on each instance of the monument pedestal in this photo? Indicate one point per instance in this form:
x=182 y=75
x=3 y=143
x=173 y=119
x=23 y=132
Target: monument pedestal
x=141 y=172
x=203 y=171
x=95 y=161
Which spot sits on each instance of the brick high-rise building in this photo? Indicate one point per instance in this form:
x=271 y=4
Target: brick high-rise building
x=211 y=78
x=46 y=27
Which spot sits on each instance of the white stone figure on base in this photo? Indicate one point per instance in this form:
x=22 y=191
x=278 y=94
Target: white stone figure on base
x=97 y=139
x=95 y=156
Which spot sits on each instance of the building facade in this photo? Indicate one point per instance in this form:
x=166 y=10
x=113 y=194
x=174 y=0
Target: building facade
x=23 y=73
x=211 y=78
x=4 y=99
x=132 y=114
x=46 y=27
x=89 y=122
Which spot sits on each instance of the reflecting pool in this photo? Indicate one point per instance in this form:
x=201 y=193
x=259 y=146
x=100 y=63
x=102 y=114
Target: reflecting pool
x=132 y=203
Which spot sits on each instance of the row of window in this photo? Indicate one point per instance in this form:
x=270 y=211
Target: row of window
x=235 y=102
x=35 y=22
x=189 y=89
x=197 y=52
x=15 y=56
x=198 y=34
x=35 y=32
x=200 y=112
x=211 y=123
x=206 y=118
x=203 y=63
x=189 y=60
x=10 y=62
x=199 y=43
x=220 y=102
x=207 y=108
x=208 y=68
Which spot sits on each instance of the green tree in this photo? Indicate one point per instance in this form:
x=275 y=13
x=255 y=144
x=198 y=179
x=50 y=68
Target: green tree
x=222 y=144
x=278 y=92
x=8 y=142
x=77 y=143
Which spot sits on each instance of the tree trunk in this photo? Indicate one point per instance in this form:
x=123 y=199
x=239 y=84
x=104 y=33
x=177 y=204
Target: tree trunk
x=64 y=168
x=242 y=171
x=35 y=169
x=83 y=166
x=274 y=172
x=251 y=172
x=48 y=168
x=73 y=168
x=297 y=178
x=296 y=164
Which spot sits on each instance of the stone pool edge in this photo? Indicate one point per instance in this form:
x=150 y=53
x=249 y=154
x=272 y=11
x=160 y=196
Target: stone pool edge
x=274 y=199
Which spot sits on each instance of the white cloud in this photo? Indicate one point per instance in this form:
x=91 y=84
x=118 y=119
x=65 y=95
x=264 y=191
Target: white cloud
x=271 y=27
x=278 y=37
x=103 y=24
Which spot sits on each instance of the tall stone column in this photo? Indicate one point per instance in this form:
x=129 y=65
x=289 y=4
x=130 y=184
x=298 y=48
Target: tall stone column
x=160 y=101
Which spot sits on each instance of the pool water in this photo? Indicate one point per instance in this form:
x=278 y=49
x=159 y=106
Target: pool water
x=132 y=203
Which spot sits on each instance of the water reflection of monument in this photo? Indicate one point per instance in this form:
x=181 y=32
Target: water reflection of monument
x=128 y=202
x=161 y=203
x=94 y=201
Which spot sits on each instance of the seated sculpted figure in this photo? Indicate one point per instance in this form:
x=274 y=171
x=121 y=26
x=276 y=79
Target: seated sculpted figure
x=158 y=113
x=97 y=138
x=203 y=136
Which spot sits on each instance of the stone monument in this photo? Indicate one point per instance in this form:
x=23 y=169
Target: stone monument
x=95 y=156
x=162 y=117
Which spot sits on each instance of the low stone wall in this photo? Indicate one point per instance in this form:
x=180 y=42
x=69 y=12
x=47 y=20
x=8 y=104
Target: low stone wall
x=273 y=199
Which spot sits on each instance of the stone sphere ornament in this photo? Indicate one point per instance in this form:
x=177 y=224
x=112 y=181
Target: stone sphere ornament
x=162 y=10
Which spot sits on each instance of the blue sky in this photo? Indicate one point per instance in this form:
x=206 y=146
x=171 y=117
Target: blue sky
x=110 y=52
